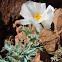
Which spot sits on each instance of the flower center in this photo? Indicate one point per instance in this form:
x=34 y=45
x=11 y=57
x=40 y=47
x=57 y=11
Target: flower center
x=37 y=16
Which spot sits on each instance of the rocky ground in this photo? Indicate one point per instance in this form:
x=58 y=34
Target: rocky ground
x=51 y=38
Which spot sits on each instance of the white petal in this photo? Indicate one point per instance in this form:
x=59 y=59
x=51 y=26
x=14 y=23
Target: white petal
x=25 y=22
x=43 y=7
x=25 y=12
x=40 y=7
x=37 y=26
x=32 y=6
x=47 y=17
x=36 y=8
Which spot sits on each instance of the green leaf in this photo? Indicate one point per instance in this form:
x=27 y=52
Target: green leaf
x=25 y=31
x=21 y=54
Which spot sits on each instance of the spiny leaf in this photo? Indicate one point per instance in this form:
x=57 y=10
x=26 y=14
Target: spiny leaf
x=26 y=31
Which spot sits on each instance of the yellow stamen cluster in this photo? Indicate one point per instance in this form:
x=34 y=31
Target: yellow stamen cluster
x=37 y=16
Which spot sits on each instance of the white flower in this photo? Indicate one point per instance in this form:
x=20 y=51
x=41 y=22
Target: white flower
x=36 y=13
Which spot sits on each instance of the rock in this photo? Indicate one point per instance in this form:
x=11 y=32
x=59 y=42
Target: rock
x=54 y=3
x=37 y=58
x=49 y=39
x=2 y=32
x=10 y=38
x=19 y=37
x=57 y=20
x=44 y=56
x=18 y=29
x=10 y=10
x=41 y=57
x=2 y=37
